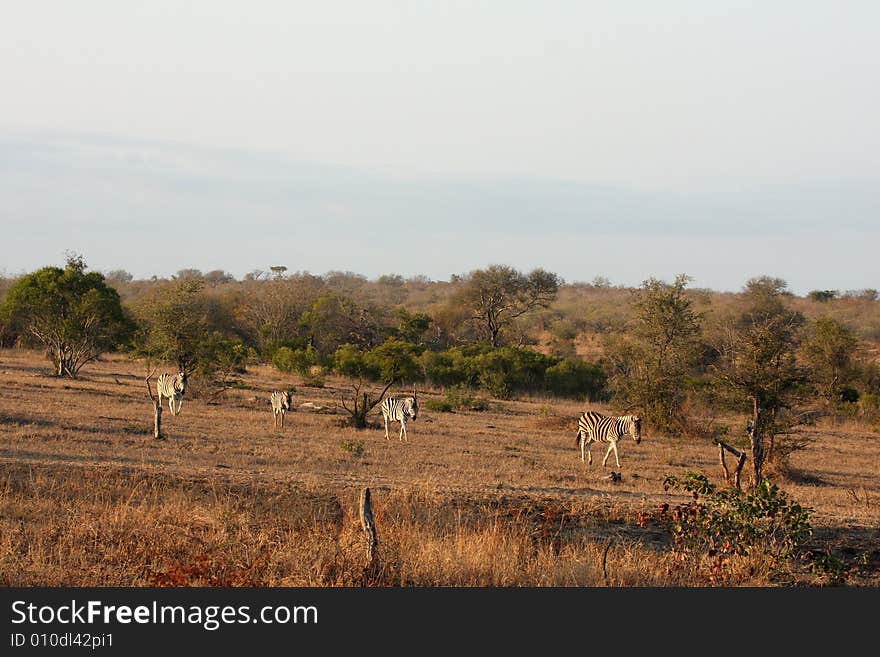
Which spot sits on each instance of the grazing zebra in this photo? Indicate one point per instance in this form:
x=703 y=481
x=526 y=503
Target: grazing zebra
x=280 y=405
x=595 y=427
x=173 y=387
x=400 y=409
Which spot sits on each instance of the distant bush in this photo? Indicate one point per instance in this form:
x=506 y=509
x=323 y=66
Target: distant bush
x=823 y=296
x=503 y=372
x=437 y=405
x=295 y=360
x=577 y=379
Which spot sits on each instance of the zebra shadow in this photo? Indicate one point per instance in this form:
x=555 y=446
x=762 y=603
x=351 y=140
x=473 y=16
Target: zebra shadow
x=25 y=420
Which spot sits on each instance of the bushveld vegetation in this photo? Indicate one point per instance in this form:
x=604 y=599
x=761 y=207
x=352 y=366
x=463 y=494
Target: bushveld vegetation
x=491 y=493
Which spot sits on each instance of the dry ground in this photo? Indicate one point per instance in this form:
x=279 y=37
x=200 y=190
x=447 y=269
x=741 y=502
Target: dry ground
x=497 y=497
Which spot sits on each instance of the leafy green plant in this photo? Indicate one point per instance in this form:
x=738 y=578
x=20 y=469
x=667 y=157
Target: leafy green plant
x=724 y=523
x=355 y=447
x=437 y=405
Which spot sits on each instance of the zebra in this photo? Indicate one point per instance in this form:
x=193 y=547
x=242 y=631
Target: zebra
x=595 y=427
x=173 y=387
x=280 y=404
x=400 y=409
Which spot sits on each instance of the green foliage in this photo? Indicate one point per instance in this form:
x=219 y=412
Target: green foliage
x=410 y=327
x=75 y=315
x=300 y=361
x=444 y=368
x=355 y=447
x=437 y=405
x=823 y=296
x=335 y=320
x=457 y=398
x=179 y=323
x=395 y=360
x=828 y=349
x=650 y=365
x=350 y=361
x=757 y=362
x=505 y=371
x=721 y=523
x=576 y=379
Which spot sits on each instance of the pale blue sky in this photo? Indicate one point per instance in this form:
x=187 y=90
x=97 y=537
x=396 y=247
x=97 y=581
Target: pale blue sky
x=633 y=138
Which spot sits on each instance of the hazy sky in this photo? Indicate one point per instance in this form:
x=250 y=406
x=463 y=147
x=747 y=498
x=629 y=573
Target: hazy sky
x=630 y=138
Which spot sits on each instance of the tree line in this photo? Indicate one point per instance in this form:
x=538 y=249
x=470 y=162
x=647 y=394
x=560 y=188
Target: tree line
x=674 y=354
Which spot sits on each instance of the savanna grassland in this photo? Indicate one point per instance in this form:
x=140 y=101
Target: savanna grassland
x=495 y=497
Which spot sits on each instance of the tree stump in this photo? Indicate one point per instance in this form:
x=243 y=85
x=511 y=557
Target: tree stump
x=369 y=527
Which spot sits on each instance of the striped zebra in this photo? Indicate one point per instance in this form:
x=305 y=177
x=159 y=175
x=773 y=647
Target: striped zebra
x=173 y=387
x=400 y=409
x=595 y=427
x=280 y=405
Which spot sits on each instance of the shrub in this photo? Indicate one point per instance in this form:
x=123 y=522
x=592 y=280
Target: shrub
x=300 y=361
x=437 y=405
x=355 y=447
x=720 y=524
x=576 y=379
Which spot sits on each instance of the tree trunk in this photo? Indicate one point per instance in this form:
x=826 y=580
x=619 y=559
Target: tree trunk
x=757 y=443
x=157 y=420
x=360 y=413
x=369 y=527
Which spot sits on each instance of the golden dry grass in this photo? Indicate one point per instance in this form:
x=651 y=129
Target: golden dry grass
x=497 y=498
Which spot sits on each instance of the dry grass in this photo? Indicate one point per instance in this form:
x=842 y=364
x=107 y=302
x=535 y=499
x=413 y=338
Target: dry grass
x=494 y=498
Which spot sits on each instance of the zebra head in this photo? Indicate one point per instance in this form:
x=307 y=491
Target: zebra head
x=180 y=381
x=635 y=428
x=285 y=399
x=414 y=405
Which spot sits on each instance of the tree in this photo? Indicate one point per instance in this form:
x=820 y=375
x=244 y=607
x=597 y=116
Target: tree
x=179 y=323
x=74 y=314
x=334 y=320
x=119 y=276
x=354 y=363
x=824 y=296
x=411 y=327
x=651 y=364
x=496 y=296
x=271 y=310
x=828 y=351
x=757 y=363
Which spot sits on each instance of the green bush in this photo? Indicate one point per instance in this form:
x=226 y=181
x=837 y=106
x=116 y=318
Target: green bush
x=576 y=379
x=721 y=523
x=502 y=372
x=395 y=360
x=437 y=405
x=349 y=360
x=295 y=360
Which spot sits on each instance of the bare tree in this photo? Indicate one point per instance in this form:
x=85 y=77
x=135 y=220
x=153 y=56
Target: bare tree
x=496 y=296
x=364 y=401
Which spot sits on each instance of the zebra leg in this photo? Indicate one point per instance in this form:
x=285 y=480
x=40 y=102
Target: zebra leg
x=613 y=446
x=616 y=460
x=402 y=431
x=581 y=441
